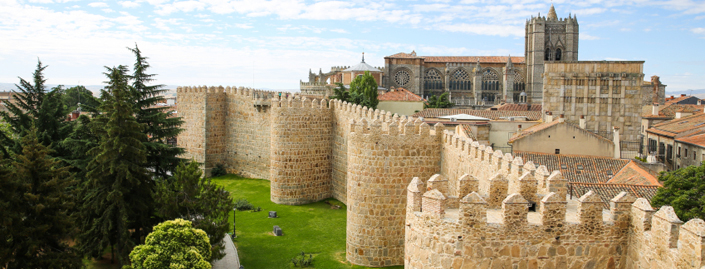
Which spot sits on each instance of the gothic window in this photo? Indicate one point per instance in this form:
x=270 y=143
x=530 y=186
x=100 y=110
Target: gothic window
x=558 y=54
x=433 y=80
x=548 y=55
x=519 y=85
x=490 y=85
x=402 y=78
x=460 y=80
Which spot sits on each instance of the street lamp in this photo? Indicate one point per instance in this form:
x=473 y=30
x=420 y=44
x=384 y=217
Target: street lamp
x=234 y=211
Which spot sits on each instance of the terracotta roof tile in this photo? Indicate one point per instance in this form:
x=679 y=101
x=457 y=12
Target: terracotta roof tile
x=471 y=59
x=518 y=107
x=400 y=94
x=697 y=139
x=678 y=99
x=668 y=111
x=594 y=169
x=543 y=126
x=673 y=127
x=609 y=191
x=490 y=114
x=635 y=174
x=467 y=128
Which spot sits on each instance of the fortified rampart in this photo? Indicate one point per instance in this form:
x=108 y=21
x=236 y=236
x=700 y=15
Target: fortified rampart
x=479 y=207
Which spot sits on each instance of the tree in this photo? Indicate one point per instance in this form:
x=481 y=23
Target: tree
x=79 y=94
x=341 y=93
x=160 y=124
x=40 y=224
x=173 y=244
x=117 y=196
x=197 y=199
x=438 y=101
x=684 y=190
x=366 y=87
x=33 y=106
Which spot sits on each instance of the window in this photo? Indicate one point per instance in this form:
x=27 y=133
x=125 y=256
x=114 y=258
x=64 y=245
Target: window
x=558 y=151
x=402 y=78
x=580 y=167
x=679 y=151
x=563 y=166
x=547 y=56
x=460 y=80
x=433 y=80
x=558 y=54
x=686 y=152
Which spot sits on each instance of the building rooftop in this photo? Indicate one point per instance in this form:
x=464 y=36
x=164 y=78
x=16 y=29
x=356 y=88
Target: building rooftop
x=544 y=126
x=490 y=114
x=400 y=94
x=609 y=191
x=696 y=140
x=464 y=117
x=676 y=100
x=517 y=107
x=577 y=168
x=459 y=59
x=674 y=127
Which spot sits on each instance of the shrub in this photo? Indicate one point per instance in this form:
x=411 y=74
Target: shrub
x=173 y=244
x=218 y=170
x=302 y=260
x=243 y=204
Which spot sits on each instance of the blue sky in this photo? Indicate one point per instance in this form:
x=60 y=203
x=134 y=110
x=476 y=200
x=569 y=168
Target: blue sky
x=272 y=44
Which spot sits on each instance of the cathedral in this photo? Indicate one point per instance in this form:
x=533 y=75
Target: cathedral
x=609 y=95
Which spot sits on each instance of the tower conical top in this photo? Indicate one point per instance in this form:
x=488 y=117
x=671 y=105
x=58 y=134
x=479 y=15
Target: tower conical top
x=510 y=65
x=552 y=13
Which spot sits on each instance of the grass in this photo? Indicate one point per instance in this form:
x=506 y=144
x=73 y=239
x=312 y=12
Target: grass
x=314 y=228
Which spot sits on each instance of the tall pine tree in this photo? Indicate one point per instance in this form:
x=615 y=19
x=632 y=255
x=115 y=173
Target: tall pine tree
x=160 y=124
x=34 y=106
x=117 y=196
x=40 y=222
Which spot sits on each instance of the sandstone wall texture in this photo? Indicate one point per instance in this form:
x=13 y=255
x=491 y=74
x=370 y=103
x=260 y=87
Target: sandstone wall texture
x=300 y=151
x=383 y=157
x=423 y=196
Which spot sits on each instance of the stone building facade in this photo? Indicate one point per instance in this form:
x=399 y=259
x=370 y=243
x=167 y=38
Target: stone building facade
x=607 y=93
x=312 y=149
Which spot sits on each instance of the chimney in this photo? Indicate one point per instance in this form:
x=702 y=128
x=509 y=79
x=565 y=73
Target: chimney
x=654 y=109
x=583 y=125
x=562 y=118
x=700 y=102
x=519 y=128
x=682 y=94
x=549 y=117
x=617 y=146
x=75 y=114
x=656 y=84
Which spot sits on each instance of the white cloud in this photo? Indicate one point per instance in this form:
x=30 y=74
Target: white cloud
x=183 y=6
x=340 y=31
x=129 y=4
x=483 y=29
x=107 y=10
x=243 y=25
x=98 y=4
x=699 y=30
x=163 y=24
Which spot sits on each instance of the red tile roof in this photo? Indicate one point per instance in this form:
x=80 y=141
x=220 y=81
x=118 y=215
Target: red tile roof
x=595 y=169
x=400 y=94
x=669 y=110
x=635 y=174
x=458 y=59
x=675 y=100
x=490 y=114
x=674 y=127
x=696 y=139
x=518 y=107
x=543 y=126
x=609 y=191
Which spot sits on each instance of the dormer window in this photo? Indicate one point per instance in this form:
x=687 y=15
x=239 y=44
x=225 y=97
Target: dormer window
x=580 y=167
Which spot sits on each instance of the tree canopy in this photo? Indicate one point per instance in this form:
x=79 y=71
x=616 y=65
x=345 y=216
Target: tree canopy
x=197 y=199
x=173 y=244
x=438 y=101
x=684 y=190
x=363 y=91
x=79 y=94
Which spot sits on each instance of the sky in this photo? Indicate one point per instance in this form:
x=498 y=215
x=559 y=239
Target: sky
x=272 y=44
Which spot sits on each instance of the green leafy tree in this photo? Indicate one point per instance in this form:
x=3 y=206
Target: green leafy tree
x=684 y=190
x=79 y=94
x=341 y=93
x=117 y=196
x=42 y=196
x=173 y=244
x=197 y=199
x=365 y=86
x=80 y=142
x=438 y=101
x=34 y=106
x=159 y=121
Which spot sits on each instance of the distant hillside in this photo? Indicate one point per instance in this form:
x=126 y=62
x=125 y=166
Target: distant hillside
x=93 y=88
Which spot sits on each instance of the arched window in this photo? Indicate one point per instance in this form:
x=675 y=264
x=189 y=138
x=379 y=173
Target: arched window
x=433 y=80
x=519 y=86
x=490 y=85
x=547 y=56
x=460 y=80
x=558 y=54
x=402 y=78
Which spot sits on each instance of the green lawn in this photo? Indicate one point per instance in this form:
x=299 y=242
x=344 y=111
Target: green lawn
x=313 y=228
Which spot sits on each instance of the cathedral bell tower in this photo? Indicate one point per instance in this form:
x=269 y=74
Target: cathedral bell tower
x=548 y=39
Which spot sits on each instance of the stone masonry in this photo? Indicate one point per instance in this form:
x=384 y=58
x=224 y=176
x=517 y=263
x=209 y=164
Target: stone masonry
x=421 y=196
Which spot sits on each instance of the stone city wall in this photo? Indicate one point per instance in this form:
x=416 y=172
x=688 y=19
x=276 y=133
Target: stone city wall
x=559 y=234
x=192 y=104
x=300 y=151
x=383 y=156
